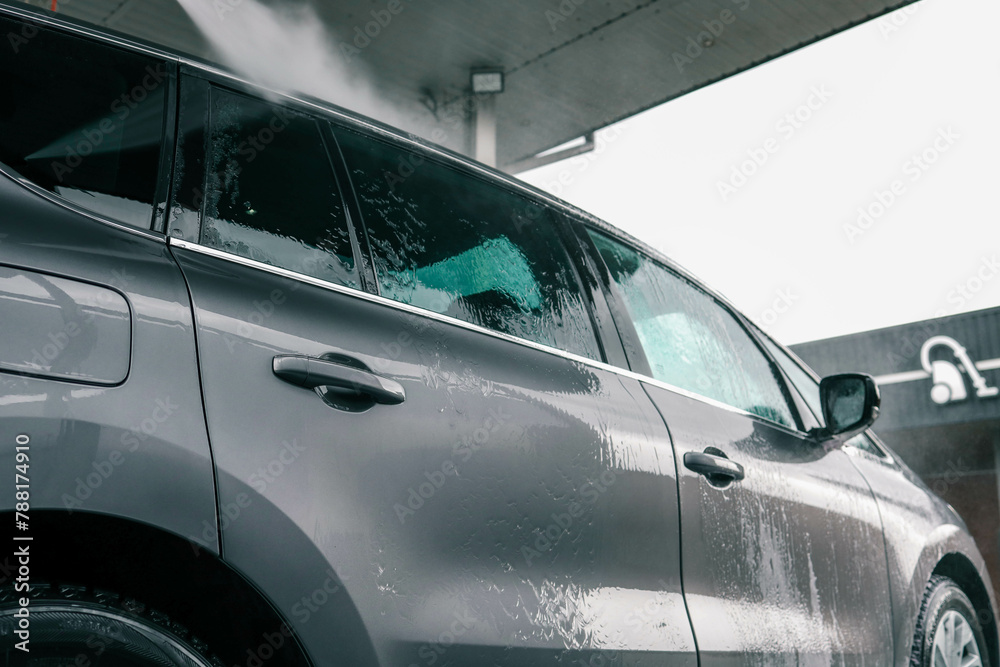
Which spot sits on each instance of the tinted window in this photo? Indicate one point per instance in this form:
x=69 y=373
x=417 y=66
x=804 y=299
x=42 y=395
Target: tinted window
x=453 y=244
x=82 y=120
x=691 y=341
x=270 y=193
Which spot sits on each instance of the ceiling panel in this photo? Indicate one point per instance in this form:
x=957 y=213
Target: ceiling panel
x=573 y=66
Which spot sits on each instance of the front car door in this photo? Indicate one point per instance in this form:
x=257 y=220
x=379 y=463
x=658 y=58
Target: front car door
x=501 y=496
x=923 y=534
x=786 y=565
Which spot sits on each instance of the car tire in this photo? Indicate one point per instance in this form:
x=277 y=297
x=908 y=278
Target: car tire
x=76 y=625
x=948 y=631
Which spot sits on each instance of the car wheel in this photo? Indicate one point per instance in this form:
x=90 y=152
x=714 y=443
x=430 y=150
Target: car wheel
x=73 y=625
x=948 y=633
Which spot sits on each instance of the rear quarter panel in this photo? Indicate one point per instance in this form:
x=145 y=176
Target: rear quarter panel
x=131 y=444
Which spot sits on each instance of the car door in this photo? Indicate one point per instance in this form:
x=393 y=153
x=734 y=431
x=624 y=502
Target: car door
x=422 y=458
x=782 y=548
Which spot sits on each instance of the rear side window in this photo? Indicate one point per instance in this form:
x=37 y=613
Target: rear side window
x=82 y=120
x=270 y=193
x=453 y=244
x=689 y=339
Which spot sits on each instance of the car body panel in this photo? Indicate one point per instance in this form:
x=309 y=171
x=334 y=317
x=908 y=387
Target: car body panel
x=786 y=566
x=519 y=529
x=138 y=449
x=920 y=530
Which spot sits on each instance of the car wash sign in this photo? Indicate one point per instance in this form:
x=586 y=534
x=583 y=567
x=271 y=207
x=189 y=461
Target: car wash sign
x=938 y=371
x=948 y=383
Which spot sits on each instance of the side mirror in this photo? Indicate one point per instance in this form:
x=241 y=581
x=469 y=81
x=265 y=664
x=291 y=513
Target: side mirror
x=850 y=405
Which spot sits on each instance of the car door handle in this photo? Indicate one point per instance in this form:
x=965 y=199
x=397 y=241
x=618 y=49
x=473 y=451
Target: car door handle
x=713 y=464
x=312 y=372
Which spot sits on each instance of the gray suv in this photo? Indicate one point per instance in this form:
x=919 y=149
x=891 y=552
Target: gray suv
x=281 y=386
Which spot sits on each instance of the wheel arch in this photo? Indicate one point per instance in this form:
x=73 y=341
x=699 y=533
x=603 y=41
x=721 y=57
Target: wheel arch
x=192 y=586
x=957 y=567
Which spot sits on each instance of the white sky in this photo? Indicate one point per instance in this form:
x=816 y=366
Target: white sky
x=781 y=235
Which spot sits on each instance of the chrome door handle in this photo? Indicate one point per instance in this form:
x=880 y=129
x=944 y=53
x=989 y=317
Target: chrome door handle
x=715 y=465
x=312 y=372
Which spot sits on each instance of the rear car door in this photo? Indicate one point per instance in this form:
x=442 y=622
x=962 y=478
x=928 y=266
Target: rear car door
x=468 y=483
x=783 y=560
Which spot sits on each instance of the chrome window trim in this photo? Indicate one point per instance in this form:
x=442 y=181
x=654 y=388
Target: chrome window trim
x=445 y=319
x=76 y=208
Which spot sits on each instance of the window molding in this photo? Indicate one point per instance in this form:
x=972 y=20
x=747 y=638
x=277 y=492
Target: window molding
x=446 y=319
x=75 y=208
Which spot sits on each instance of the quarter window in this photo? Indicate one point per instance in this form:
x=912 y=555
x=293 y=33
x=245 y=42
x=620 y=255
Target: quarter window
x=270 y=194
x=82 y=120
x=453 y=244
x=689 y=339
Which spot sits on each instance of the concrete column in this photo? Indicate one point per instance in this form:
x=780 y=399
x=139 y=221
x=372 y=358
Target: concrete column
x=485 y=131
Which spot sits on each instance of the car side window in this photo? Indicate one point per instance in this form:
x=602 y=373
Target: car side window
x=82 y=120
x=689 y=339
x=270 y=192
x=453 y=244
x=808 y=388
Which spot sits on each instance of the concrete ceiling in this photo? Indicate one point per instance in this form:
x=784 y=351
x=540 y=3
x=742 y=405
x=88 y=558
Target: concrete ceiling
x=571 y=66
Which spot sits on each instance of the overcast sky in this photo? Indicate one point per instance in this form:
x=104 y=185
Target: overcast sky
x=909 y=102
